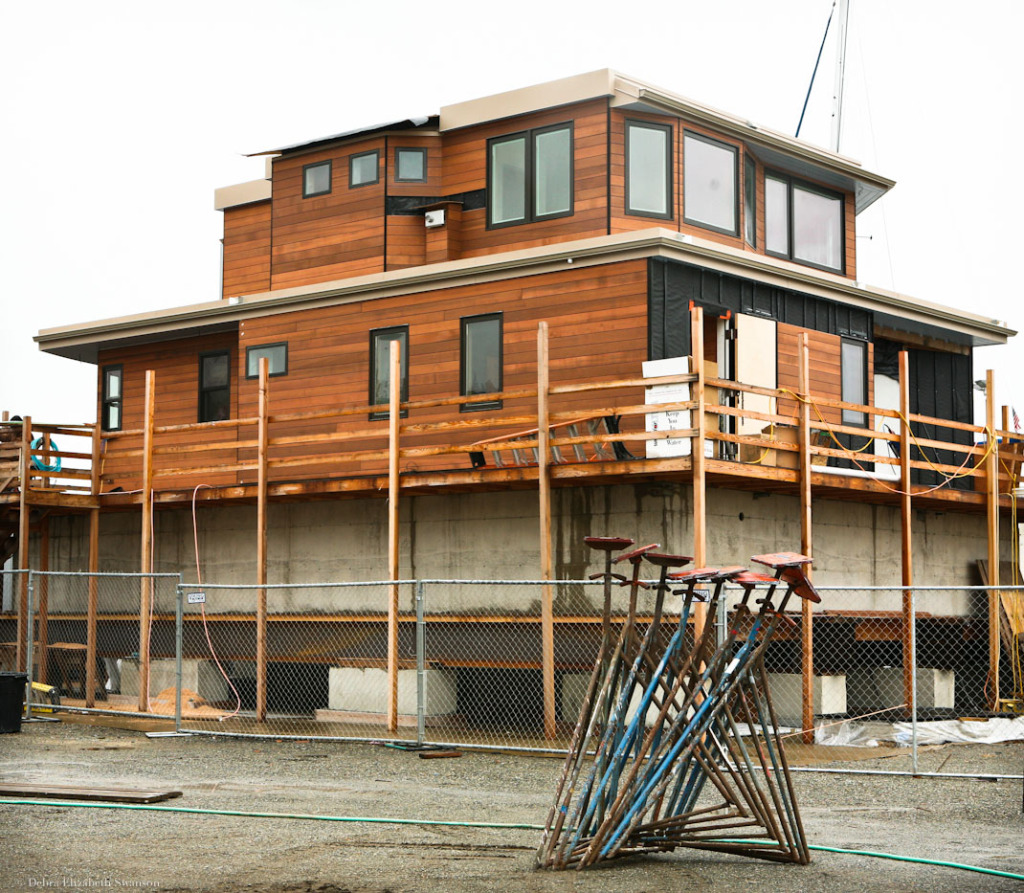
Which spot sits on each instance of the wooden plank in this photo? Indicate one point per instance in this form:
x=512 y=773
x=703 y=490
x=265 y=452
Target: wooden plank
x=24 y=622
x=146 y=582
x=699 y=462
x=992 y=526
x=806 y=544
x=906 y=537
x=77 y=792
x=394 y=428
x=261 y=541
x=544 y=498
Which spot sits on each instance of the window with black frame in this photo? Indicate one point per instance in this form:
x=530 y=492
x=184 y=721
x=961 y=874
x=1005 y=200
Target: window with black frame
x=112 y=400
x=380 y=367
x=481 y=359
x=529 y=176
x=803 y=223
x=710 y=184
x=214 y=386
x=648 y=169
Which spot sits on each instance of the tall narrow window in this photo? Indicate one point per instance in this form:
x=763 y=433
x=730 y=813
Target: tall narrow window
x=854 y=368
x=277 y=359
x=750 y=201
x=481 y=359
x=529 y=176
x=380 y=367
x=710 y=183
x=113 y=378
x=316 y=179
x=776 y=216
x=364 y=168
x=648 y=169
x=214 y=386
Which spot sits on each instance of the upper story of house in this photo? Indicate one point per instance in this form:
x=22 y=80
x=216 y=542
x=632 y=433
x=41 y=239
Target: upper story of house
x=594 y=155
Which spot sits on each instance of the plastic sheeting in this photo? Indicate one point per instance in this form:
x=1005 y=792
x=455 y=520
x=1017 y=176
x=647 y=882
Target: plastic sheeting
x=948 y=731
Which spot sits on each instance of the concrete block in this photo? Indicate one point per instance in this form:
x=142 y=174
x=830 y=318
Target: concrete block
x=200 y=676
x=881 y=688
x=364 y=690
x=574 y=689
x=787 y=696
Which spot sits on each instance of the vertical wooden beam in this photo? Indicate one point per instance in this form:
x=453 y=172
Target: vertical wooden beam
x=42 y=598
x=93 y=608
x=906 y=534
x=806 y=539
x=146 y=586
x=394 y=444
x=24 y=628
x=94 y=568
x=992 y=470
x=697 y=460
x=261 y=540
x=544 y=496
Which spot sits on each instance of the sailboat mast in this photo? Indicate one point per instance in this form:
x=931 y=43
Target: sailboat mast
x=837 y=93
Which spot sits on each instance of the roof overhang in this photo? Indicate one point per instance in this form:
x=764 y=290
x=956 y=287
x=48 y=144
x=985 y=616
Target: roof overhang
x=84 y=341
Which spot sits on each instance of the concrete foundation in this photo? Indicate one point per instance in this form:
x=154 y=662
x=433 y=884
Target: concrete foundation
x=364 y=690
x=881 y=688
x=787 y=697
x=200 y=676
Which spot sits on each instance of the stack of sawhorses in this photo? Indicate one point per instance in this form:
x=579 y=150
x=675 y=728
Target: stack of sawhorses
x=681 y=726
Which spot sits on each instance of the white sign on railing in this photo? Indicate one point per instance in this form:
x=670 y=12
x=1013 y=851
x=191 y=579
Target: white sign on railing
x=672 y=420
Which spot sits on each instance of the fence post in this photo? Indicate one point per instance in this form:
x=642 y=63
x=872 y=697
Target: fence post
x=547 y=660
x=42 y=599
x=261 y=543
x=23 y=518
x=913 y=681
x=178 y=630
x=146 y=587
x=28 y=645
x=92 y=609
x=906 y=518
x=992 y=470
x=421 y=687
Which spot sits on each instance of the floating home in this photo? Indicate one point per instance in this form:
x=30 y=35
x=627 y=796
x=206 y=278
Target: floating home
x=453 y=346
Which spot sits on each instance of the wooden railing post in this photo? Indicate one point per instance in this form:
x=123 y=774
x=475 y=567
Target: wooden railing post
x=906 y=536
x=697 y=461
x=992 y=470
x=806 y=540
x=24 y=621
x=544 y=495
x=394 y=444
x=261 y=541
x=146 y=586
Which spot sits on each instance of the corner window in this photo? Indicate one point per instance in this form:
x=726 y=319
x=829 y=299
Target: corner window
x=648 y=169
x=380 y=367
x=481 y=359
x=529 y=176
x=113 y=377
x=214 y=386
x=363 y=169
x=316 y=179
x=710 y=184
x=750 y=201
x=854 y=369
x=277 y=359
x=410 y=165
x=803 y=223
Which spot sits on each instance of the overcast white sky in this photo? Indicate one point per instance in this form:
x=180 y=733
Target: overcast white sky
x=121 y=118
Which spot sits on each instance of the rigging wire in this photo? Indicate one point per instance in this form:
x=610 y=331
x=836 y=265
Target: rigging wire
x=814 y=73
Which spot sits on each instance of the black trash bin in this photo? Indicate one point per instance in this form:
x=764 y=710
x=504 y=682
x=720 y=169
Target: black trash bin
x=12 y=700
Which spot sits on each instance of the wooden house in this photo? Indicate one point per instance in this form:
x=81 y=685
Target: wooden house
x=552 y=262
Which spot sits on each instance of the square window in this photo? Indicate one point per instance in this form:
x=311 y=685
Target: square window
x=411 y=165
x=112 y=398
x=277 y=359
x=316 y=179
x=709 y=183
x=529 y=176
x=363 y=169
x=648 y=169
x=481 y=359
x=214 y=386
x=380 y=367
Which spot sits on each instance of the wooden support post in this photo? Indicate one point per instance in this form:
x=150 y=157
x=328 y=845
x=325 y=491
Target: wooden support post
x=906 y=530
x=544 y=496
x=697 y=461
x=261 y=540
x=992 y=470
x=42 y=598
x=93 y=608
x=394 y=418
x=146 y=586
x=806 y=540
x=24 y=624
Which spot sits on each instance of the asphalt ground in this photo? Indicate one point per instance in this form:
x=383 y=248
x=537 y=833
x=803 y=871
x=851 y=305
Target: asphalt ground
x=964 y=820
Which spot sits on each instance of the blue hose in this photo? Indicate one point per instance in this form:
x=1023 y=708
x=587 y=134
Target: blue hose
x=38 y=463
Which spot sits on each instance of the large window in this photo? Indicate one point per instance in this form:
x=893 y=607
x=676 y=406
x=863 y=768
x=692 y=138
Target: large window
x=316 y=179
x=529 y=176
x=113 y=379
x=380 y=366
x=648 y=169
x=710 y=184
x=854 y=368
x=481 y=359
x=214 y=386
x=277 y=359
x=803 y=223
x=364 y=168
